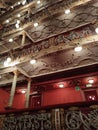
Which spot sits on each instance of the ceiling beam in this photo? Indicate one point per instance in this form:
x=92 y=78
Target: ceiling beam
x=7 y=70
x=29 y=37
x=22 y=71
x=9 y=81
x=26 y=25
x=23 y=39
x=53 y=48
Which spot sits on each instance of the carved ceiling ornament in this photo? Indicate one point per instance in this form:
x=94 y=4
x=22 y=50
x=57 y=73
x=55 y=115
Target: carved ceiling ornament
x=62 y=60
x=61 y=22
x=65 y=40
x=52 y=43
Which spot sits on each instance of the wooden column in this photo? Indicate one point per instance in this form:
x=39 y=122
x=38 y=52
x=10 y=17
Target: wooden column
x=12 y=93
x=28 y=93
x=23 y=39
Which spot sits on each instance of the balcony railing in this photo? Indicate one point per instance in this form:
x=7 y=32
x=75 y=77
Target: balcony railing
x=80 y=116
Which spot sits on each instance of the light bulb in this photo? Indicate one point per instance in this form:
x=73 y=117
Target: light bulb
x=67 y=11
x=18 y=15
x=8 y=59
x=33 y=61
x=7 y=21
x=17 y=25
x=35 y=24
x=12 y=7
x=6 y=64
x=19 y=3
x=96 y=30
x=38 y=2
x=78 y=48
x=24 y=2
x=10 y=40
x=91 y=81
x=18 y=21
x=23 y=91
x=61 y=85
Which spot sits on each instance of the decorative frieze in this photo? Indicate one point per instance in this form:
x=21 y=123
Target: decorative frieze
x=64 y=39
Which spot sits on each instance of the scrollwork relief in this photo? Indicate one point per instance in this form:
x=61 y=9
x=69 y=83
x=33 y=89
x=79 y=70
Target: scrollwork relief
x=27 y=122
x=77 y=120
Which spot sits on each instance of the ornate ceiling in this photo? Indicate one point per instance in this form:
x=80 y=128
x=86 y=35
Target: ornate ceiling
x=52 y=42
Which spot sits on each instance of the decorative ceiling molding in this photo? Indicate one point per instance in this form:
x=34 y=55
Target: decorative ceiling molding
x=7 y=70
x=22 y=71
x=48 y=3
x=67 y=40
x=48 y=13
x=9 y=81
x=53 y=41
x=63 y=60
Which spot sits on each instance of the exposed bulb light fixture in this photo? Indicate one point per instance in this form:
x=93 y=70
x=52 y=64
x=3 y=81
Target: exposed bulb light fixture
x=18 y=15
x=17 y=25
x=6 y=64
x=38 y=1
x=12 y=7
x=19 y=3
x=96 y=30
x=91 y=81
x=18 y=21
x=8 y=60
x=33 y=61
x=67 y=11
x=78 y=48
x=89 y=85
x=61 y=85
x=10 y=40
x=7 y=21
x=35 y=24
x=92 y=97
x=23 y=91
x=24 y=2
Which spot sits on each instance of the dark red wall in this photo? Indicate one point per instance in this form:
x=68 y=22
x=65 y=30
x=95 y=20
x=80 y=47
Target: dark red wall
x=60 y=96
x=4 y=97
x=19 y=101
x=51 y=97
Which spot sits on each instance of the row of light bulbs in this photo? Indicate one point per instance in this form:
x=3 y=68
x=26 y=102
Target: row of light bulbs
x=62 y=84
x=67 y=11
x=19 y=15
x=17 y=25
x=24 y=2
x=8 y=62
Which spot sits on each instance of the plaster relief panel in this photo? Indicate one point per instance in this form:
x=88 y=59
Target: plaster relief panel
x=62 y=60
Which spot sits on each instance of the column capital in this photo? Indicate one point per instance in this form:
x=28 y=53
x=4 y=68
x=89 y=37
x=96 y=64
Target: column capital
x=23 y=33
x=16 y=72
x=29 y=79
